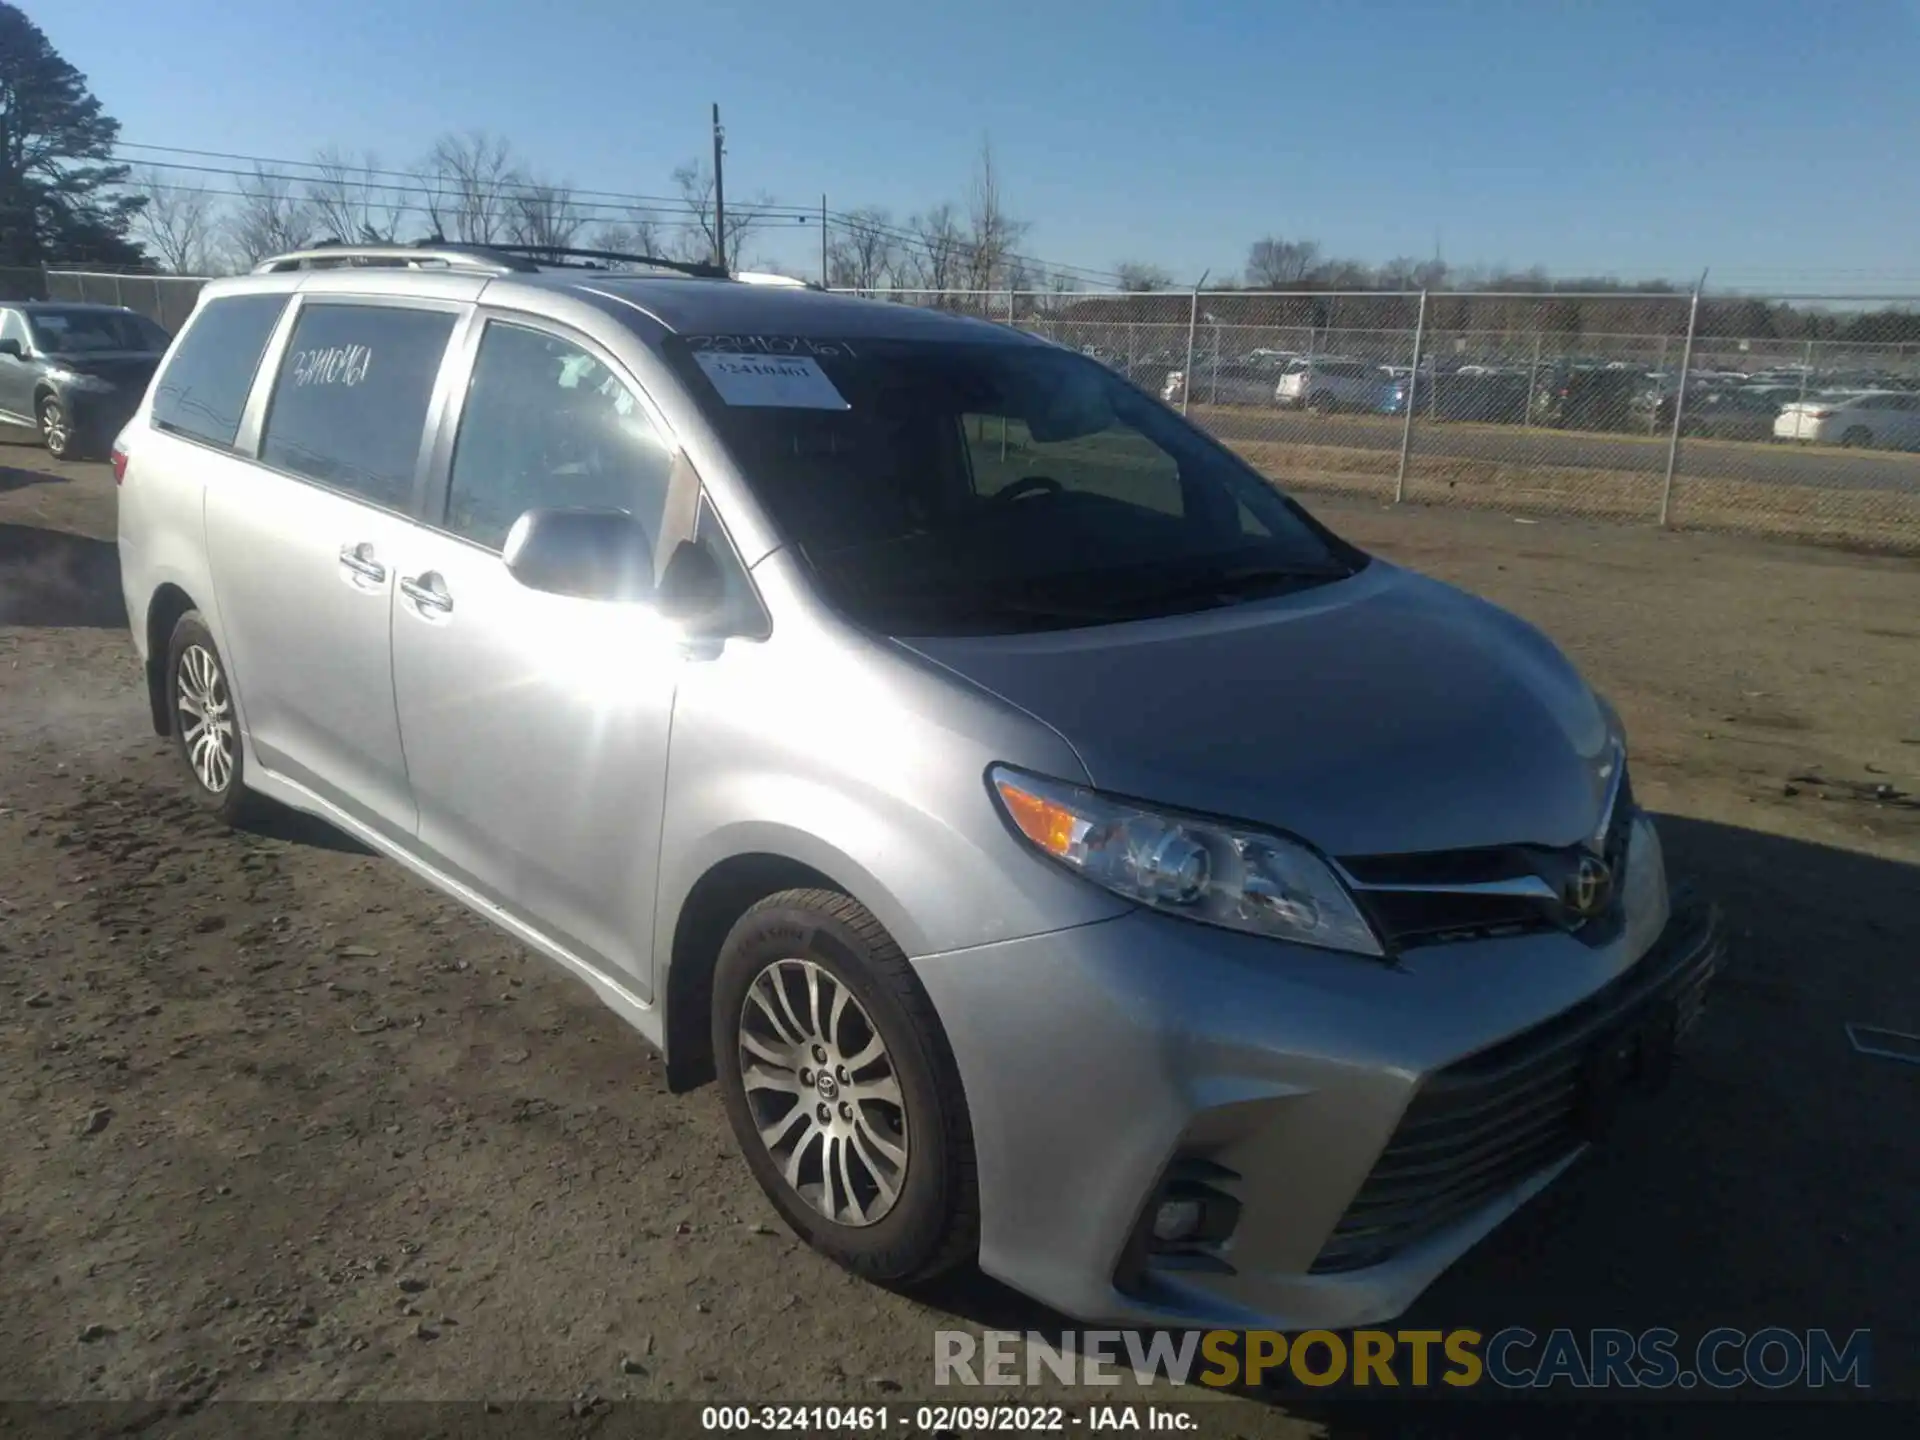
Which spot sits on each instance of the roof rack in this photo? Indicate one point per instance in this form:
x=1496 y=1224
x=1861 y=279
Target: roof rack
x=565 y=257
x=422 y=253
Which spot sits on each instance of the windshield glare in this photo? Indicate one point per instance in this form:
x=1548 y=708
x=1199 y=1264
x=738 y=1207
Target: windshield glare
x=979 y=488
x=80 y=332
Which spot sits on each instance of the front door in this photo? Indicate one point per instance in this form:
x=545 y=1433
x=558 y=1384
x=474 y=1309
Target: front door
x=306 y=547
x=535 y=725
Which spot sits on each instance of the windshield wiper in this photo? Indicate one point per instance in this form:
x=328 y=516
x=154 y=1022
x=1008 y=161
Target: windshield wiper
x=945 y=611
x=1245 y=582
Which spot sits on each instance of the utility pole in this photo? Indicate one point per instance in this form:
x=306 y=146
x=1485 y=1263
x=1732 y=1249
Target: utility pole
x=719 y=192
x=823 y=242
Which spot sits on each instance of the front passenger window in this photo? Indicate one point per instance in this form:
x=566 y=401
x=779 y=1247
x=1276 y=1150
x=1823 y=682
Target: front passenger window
x=547 y=425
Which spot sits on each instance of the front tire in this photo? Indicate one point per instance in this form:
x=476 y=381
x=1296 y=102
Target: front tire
x=56 y=429
x=204 y=722
x=841 y=1089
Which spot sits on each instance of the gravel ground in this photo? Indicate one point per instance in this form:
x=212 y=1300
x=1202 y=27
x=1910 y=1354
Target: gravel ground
x=281 y=1123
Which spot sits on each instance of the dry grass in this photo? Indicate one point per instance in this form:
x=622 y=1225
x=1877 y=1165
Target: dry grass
x=1874 y=519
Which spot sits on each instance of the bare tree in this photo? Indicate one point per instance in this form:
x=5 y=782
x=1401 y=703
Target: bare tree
x=1137 y=275
x=639 y=234
x=268 y=217
x=468 y=183
x=992 y=233
x=179 y=223
x=544 y=215
x=698 y=241
x=351 y=202
x=1273 y=262
x=863 y=253
x=939 y=248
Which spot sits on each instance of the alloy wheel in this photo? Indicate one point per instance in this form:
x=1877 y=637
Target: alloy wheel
x=54 y=430
x=206 y=716
x=823 y=1092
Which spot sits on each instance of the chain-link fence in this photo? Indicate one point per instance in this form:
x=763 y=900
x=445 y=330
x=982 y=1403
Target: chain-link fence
x=1651 y=407
x=1631 y=406
x=166 y=299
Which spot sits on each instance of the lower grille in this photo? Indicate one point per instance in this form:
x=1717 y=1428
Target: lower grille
x=1484 y=1125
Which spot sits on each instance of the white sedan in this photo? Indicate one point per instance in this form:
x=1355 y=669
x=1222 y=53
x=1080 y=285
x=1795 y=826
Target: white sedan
x=1882 y=419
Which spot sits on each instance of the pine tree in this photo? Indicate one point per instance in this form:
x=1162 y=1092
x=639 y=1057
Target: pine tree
x=59 y=201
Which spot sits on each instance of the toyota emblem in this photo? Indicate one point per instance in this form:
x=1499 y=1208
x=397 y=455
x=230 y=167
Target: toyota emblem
x=1588 y=888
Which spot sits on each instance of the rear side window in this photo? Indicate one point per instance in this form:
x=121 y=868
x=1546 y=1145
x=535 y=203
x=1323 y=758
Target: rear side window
x=349 y=406
x=204 y=386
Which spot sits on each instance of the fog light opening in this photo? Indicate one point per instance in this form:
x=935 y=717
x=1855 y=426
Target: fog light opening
x=1186 y=1218
x=1177 y=1220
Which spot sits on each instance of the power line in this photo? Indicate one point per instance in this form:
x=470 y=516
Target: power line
x=508 y=190
x=507 y=185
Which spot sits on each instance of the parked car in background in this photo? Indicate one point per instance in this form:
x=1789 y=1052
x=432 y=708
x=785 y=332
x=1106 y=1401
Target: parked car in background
x=1473 y=392
x=1745 y=412
x=75 y=373
x=1880 y=419
x=1236 y=383
x=1588 y=397
x=1328 y=383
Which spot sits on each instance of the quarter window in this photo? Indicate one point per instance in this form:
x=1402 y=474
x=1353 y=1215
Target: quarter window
x=350 y=403
x=204 y=387
x=546 y=424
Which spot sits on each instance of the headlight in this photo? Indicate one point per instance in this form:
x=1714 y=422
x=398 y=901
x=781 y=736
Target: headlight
x=74 y=380
x=1219 y=874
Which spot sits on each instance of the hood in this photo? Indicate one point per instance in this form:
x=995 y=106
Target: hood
x=123 y=367
x=1383 y=714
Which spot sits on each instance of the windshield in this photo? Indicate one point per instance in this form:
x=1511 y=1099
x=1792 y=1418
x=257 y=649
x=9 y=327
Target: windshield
x=80 y=331
x=976 y=488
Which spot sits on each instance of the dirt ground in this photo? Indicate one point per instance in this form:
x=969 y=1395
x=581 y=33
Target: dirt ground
x=276 y=1121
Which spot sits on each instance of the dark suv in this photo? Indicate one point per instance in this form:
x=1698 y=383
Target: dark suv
x=75 y=373
x=1587 y=397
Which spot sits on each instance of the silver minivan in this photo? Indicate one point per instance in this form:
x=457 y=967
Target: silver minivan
x=1066 y=853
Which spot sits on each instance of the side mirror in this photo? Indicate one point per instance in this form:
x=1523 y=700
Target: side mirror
x=589 y=554
x=11 y=347
x=693 y=589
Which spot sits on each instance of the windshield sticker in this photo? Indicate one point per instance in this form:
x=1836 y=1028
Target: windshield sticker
x=770 y=345
x=787 y=382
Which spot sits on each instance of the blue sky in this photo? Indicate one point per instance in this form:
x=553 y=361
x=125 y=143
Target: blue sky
x=1774 y=142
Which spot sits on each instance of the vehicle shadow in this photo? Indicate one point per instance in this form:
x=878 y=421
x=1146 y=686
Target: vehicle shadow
x=295 y=827
x=52 y=577
x=12 y=478
x=1771 y=1184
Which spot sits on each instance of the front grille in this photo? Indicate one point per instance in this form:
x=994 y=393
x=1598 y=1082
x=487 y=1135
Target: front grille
x=1405 y=919
x=1487 y=1123
x=1427 y=898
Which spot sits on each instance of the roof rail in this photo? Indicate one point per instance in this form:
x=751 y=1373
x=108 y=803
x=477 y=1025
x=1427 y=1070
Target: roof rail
x=558 y=256
x=423 y=253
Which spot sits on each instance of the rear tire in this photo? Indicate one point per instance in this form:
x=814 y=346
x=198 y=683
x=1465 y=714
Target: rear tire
x=1858 y=437
x=841 y=1089
x=1323 y=404
x=205 y=723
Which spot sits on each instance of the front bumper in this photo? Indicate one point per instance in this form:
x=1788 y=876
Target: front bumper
x=1363 y=1124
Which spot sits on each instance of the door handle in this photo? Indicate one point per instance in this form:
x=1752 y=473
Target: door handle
x=425 y=591
x=359 y=559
